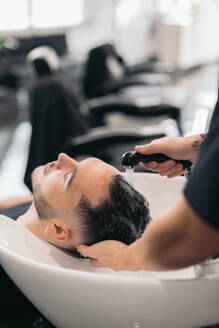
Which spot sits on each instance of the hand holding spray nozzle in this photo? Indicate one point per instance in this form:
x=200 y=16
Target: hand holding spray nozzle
x=132 y=159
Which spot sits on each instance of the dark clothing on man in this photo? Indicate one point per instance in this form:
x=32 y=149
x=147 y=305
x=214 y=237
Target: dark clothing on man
x=202 y=188
x=15 y=211
x=22 y=313
x=56 y=117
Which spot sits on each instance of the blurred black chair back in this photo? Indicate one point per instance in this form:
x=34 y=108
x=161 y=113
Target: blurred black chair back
x=103 y=65
x=42 y=67
x=43 y=61
x=55 y=116
x=106 y=72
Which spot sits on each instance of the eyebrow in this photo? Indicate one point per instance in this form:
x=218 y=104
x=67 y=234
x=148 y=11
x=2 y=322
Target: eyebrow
x=74 y=172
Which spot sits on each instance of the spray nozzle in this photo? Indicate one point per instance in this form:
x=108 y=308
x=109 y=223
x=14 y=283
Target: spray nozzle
x=132 y=159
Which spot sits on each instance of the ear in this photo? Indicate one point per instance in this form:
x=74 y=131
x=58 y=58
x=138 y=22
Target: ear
x=58 y=232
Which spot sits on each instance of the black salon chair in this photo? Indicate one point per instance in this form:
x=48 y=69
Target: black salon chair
x=106 y=75
x=151 y=65
x=106 y=72
x=155 y=101
x=43 y=61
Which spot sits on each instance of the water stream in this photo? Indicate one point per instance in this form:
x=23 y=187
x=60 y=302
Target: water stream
x=129 y=174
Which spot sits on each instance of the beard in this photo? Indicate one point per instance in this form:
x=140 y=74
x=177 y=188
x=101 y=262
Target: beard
x=43 y=208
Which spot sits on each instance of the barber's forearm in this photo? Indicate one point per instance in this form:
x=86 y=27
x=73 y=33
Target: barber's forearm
x=15 y=201
x=194 y=144
x=177 y=239
x=184 y=148
x=159 y=247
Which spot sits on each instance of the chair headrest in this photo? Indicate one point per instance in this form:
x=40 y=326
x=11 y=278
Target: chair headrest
x=44 y=60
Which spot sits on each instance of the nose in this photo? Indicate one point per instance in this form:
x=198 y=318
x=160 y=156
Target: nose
x=65 y=161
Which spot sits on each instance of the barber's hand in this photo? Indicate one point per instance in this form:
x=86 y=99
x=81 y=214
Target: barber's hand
x=109 y=253
x=173 y=147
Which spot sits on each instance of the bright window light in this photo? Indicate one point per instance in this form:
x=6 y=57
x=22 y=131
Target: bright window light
x=126 y=10
x=200 y=121
x=56 y=13
x=23 y=15
x=14 y=15
x=176 y=11
x=167 y=6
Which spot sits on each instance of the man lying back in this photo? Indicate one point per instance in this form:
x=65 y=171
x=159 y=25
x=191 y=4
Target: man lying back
x=84 y=203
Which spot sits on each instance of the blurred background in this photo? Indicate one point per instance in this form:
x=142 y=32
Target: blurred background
x=94 y=78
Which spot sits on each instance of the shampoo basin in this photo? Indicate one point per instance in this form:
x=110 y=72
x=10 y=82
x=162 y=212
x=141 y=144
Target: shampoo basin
x=73 y=294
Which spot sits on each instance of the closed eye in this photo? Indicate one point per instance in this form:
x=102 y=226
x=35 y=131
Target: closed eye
x=69 y=177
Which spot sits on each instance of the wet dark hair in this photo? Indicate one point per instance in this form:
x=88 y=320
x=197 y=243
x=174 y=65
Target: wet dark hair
x=122 y=216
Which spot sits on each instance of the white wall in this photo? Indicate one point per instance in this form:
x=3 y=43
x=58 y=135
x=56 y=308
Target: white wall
x=133 y=29
x=191 y=44
x=136 y=37
x=96 y=30
x=132 y=39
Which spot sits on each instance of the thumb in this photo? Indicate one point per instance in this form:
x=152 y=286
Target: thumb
x=154 y=147
x=87 y=251
x=100 y=249
x=95 y=250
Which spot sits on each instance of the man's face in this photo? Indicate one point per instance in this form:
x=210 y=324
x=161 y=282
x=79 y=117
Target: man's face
x=62 y=183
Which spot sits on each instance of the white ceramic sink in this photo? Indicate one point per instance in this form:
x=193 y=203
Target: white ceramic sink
x=72 y=294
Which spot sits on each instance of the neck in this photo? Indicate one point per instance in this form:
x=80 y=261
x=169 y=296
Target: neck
x=31 y=221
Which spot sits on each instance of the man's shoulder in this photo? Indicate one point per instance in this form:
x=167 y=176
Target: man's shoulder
x=4 y=217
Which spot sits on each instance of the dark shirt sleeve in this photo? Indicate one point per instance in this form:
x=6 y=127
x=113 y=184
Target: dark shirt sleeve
x=202 y=188
x=15 y=211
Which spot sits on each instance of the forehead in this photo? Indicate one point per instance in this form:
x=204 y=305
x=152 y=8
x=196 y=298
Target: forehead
x=97 y=167
x=93 y=178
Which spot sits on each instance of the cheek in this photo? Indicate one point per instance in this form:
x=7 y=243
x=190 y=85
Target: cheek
x=37 y=174
x=51 y=186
